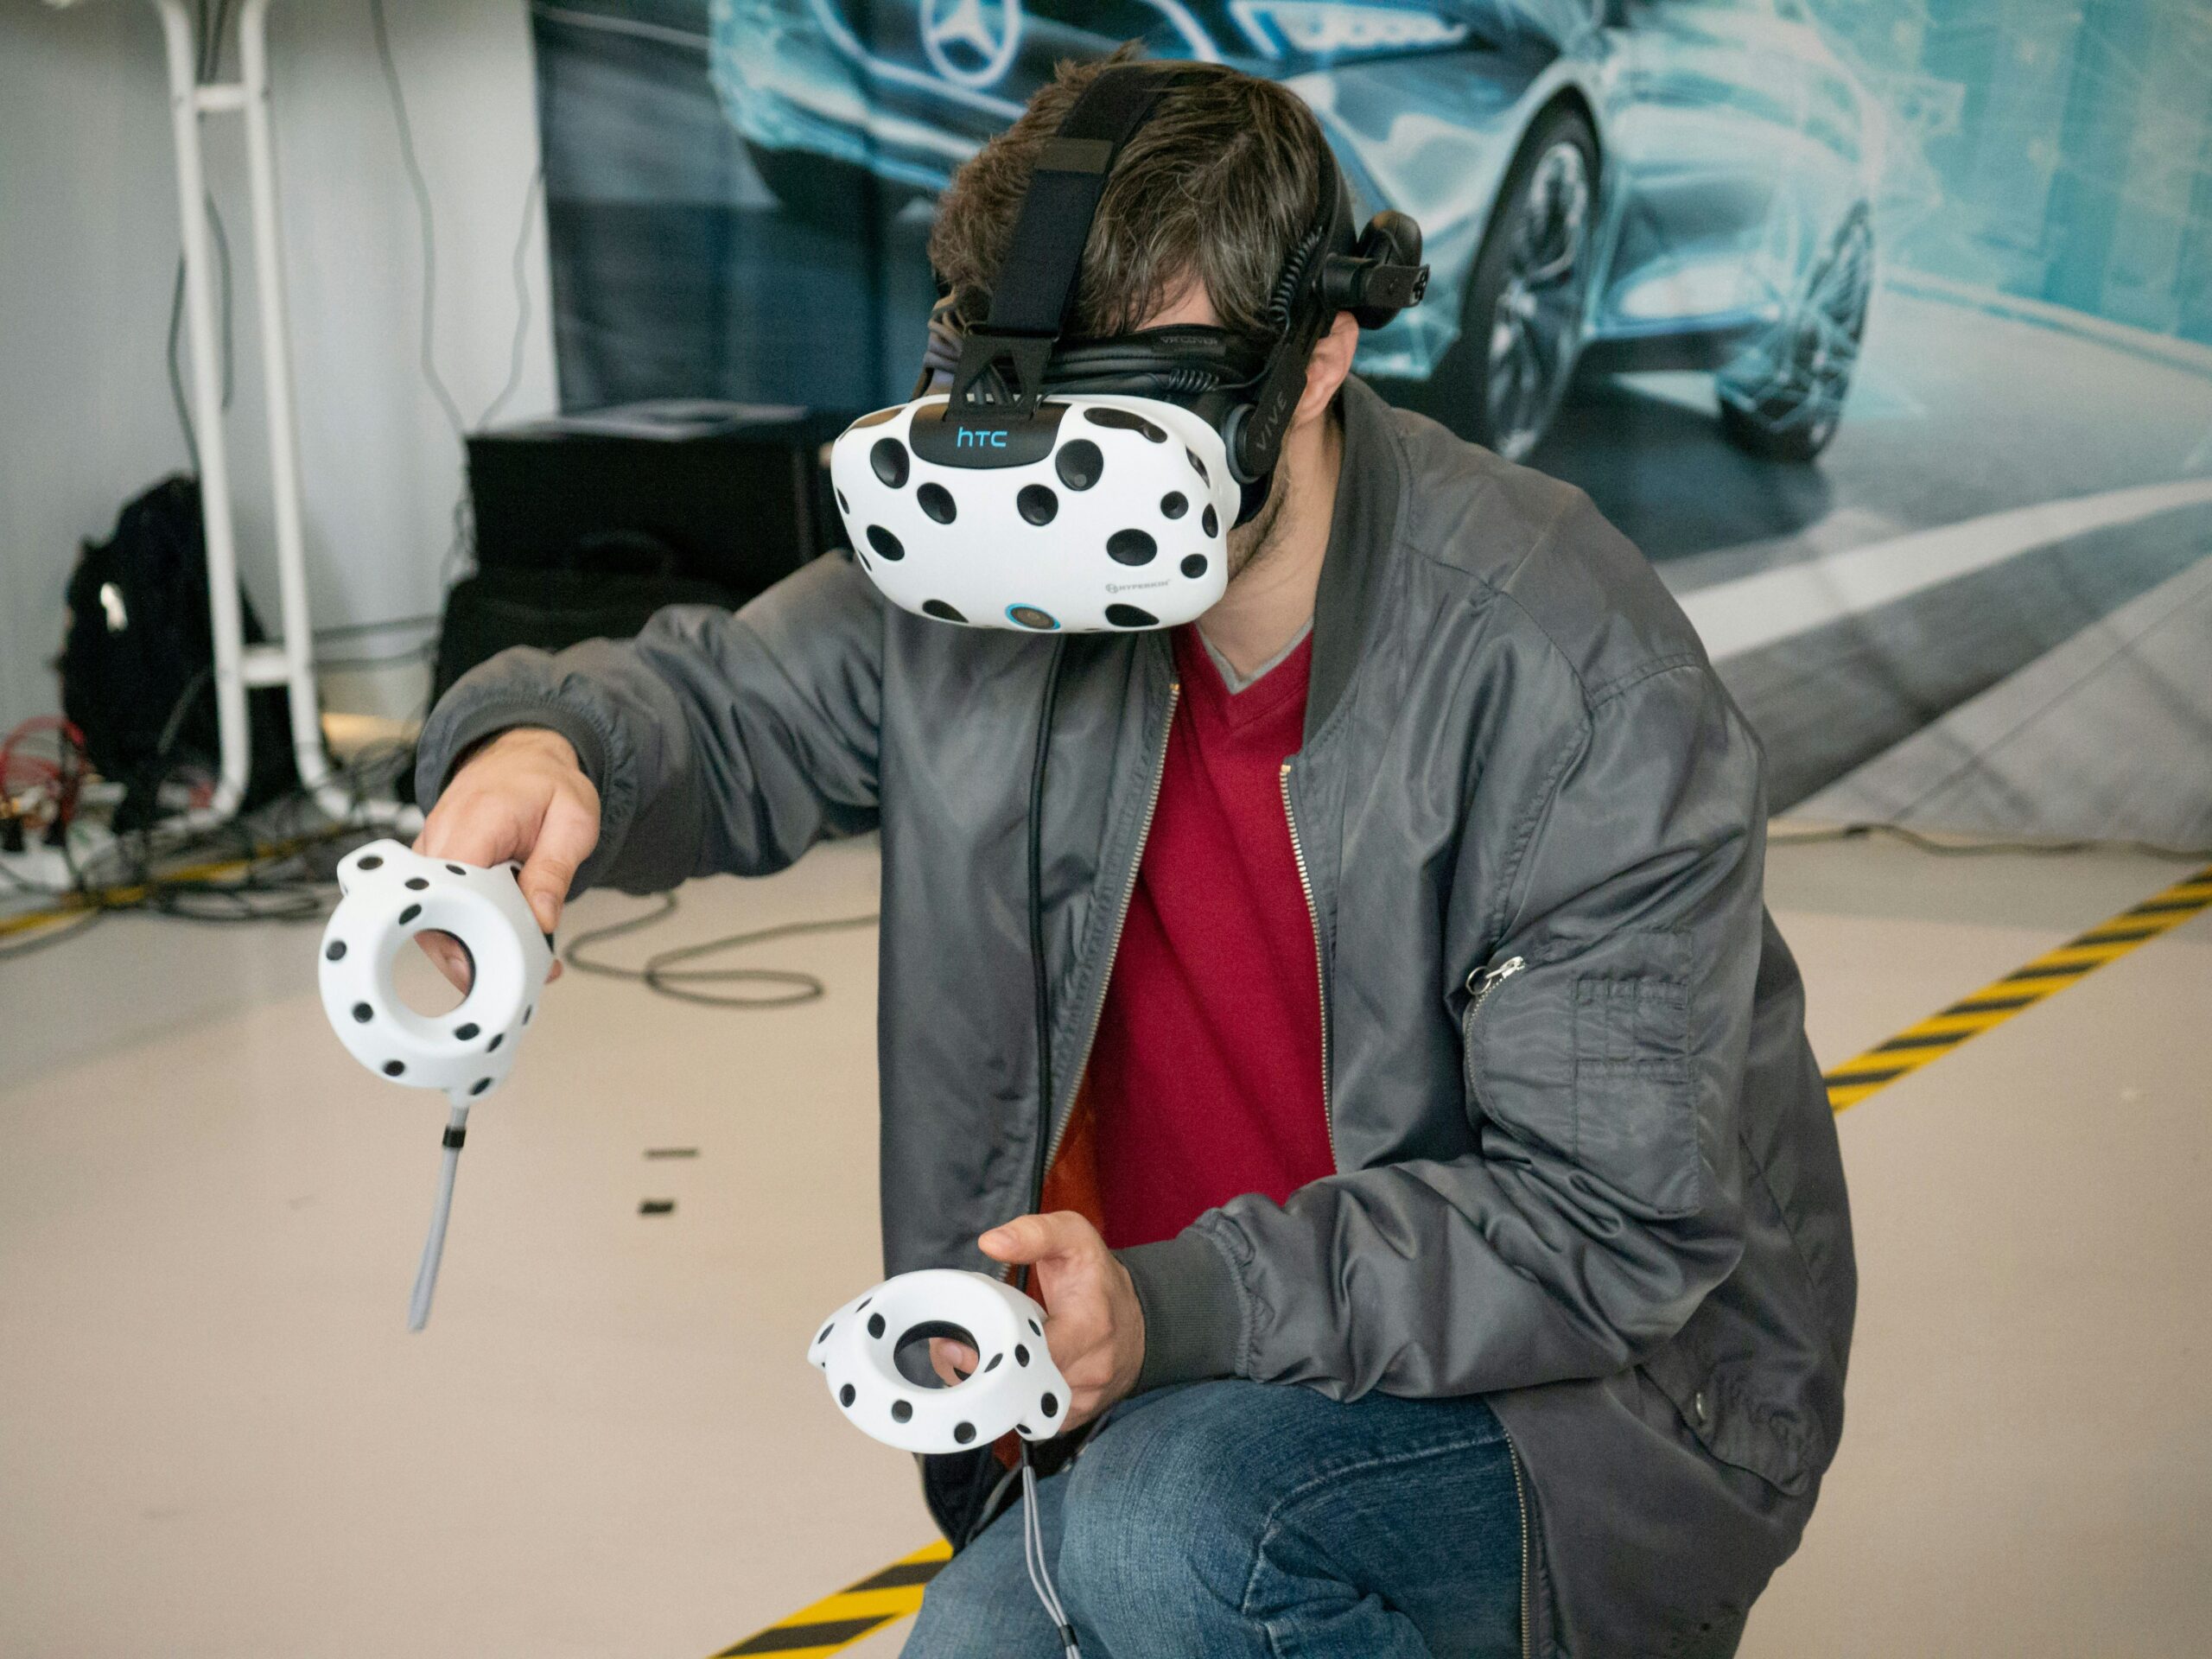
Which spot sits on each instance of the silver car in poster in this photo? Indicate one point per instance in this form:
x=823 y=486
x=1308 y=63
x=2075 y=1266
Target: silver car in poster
x=1617 y=184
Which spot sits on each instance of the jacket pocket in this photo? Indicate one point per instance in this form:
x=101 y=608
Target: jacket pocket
x=1591 y=1062
x=1635 y=1115
x=1719 y=1406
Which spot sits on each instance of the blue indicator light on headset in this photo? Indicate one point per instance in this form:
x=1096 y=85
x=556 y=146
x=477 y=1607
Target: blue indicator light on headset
x=1028 y=616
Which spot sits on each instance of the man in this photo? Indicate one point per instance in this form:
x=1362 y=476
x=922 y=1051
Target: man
x=1444 y=1241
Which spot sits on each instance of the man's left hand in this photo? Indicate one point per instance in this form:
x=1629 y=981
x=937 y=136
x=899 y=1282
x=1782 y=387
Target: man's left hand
x=1095 y=1330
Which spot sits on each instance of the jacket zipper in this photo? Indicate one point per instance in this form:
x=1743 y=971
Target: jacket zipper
x=1521 y=1495
x=1320 y=974
x=1480 y=984
x=1484 y=981
x=1113 y=945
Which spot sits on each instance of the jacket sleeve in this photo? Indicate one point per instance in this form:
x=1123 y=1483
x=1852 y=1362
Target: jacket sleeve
x=1602 y=1076
x=718 y=741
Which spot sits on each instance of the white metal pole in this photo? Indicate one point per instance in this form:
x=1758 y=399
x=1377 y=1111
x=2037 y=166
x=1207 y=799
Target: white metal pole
x=283 y=443
x=207 y=413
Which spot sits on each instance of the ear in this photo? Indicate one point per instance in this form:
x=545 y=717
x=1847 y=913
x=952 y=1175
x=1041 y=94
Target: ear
x=1325 y=371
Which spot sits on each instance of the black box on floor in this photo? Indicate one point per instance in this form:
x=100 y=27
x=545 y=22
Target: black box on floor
x=735 y=491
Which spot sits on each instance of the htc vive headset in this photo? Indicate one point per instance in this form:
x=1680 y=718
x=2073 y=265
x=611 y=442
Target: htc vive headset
x=1087 y=486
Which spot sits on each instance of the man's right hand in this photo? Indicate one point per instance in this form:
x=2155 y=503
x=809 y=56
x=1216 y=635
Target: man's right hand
x=522 y=795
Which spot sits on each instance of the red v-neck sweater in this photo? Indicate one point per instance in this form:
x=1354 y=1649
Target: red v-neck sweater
x=1204 y=1079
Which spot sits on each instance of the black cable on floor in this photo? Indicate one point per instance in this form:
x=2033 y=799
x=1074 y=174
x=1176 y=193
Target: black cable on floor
x=662 y=972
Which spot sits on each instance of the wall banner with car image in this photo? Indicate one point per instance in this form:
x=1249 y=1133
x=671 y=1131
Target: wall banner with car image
x=1884 y=328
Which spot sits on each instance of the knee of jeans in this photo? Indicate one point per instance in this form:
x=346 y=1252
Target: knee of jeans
x=1161 y=1514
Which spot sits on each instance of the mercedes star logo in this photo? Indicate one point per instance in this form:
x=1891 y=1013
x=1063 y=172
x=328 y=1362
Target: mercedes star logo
x=971 y=42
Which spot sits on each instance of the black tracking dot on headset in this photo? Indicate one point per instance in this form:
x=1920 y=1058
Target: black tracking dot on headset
x=1129 y=616
x=456 y=869
x=1038 y=503
x=482 y=1083
x=846 y=1394
x=1122 y=419
x=1020 y=1355
x=495 y=1042
x=393 y=1068
x=372 y=862
x=887 y=545
x=364 y=1013
x=1038 y=1329
x=1049 y=1405
x=994 y=1364
x=843 y=506
x=1174 y=505
x=875 y=1324
x=465 y=1032
x=937 y=501
x=1209 y=521
x=1194 y=565
x=963 y=1433
x=1197 y=466
x=1131 y=547
x=336 y=950
x=943 y=612
x=826 y=1329
x=900 y=1411
x=410 y=914
x=1080 y=464
x=417 y=883
x=888 y=458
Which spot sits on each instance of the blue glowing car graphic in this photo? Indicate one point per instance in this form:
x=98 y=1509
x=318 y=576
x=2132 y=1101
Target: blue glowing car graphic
x=1613 y=184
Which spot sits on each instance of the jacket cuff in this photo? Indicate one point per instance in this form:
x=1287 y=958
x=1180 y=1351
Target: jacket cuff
x=449 y=743
x=1193 y=1310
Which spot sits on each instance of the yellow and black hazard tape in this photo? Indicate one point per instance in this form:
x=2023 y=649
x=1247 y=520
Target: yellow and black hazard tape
x=1993 y=1005
x=835 y=1622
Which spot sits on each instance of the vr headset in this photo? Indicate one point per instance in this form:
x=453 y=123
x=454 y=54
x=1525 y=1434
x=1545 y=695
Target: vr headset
x=1089 y=485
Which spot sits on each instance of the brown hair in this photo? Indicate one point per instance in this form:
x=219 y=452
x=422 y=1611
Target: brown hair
x=1220 y=184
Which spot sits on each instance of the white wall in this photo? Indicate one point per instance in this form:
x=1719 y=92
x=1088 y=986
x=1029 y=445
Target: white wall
x=88 y=244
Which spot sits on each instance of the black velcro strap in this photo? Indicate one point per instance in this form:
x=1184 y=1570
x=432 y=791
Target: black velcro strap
x=1037 y=279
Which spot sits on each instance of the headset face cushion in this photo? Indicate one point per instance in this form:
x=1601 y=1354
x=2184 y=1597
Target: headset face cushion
x=1102 y=514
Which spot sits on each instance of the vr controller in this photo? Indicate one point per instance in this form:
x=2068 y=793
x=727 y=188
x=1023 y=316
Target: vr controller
x=390 y=895
x=1015 y=1386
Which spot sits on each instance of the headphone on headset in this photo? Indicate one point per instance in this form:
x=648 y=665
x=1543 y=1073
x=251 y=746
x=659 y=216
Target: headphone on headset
x=951 y=499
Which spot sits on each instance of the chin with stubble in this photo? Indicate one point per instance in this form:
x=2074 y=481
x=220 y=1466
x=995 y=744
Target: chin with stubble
x=1250 y=543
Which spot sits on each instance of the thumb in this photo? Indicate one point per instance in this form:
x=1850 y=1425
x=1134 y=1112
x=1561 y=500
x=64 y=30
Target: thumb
x=550 y=870
x=1029 y=1238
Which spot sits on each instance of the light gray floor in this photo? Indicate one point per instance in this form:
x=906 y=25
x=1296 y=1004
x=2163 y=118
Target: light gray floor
x=216 y=1438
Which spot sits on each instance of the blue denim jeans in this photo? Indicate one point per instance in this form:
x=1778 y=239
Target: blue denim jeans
x=1227 y=1519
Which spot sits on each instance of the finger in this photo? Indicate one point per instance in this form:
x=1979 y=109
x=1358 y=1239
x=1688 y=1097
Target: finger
x=1033 y=1238
x=953 y=1362
x=486 y=836
x=449 y=957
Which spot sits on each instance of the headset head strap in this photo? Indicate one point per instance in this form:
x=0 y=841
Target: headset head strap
x=1036 y=285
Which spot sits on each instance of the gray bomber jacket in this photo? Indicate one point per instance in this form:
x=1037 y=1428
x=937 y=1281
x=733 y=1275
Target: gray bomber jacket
x=1586 y=1164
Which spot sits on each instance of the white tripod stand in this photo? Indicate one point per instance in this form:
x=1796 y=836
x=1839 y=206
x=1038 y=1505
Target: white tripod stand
x=288 y=661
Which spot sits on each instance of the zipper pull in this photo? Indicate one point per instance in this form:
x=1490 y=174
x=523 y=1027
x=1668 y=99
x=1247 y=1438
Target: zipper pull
x=1484 y=981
